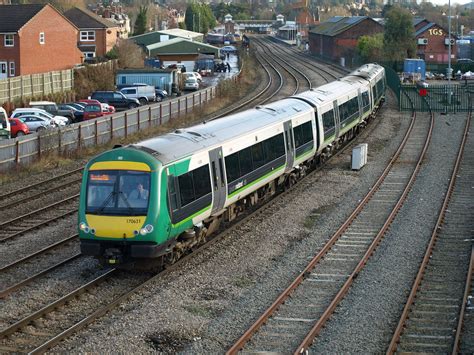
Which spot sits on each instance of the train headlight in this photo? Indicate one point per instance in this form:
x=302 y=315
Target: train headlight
x=92 y=231
x=143 y=231
x=83 y=227
x=149 y=228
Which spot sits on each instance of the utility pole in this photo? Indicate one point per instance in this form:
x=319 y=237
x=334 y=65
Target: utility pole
x=449 y=52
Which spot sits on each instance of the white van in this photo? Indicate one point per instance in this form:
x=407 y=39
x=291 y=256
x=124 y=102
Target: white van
x=143 y=93
x=4 y=124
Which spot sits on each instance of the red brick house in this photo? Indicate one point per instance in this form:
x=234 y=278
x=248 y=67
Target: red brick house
x=336 y=39
x=96 y=35
x=35 y=38
x=432 y=42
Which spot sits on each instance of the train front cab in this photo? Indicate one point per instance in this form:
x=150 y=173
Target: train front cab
x=118 y=219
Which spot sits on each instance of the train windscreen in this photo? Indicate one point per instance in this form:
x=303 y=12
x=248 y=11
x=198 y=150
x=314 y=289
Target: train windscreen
x=118 y=192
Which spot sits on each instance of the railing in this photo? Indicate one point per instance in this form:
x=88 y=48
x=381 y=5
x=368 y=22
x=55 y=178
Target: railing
x=27 y=149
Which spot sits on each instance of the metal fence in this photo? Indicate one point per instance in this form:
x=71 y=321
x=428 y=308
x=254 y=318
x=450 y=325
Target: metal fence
x=440 y=98
x=30 y=148
x=35 y=84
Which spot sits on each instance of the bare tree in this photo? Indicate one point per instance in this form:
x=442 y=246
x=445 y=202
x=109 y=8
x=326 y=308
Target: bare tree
x=129 y=54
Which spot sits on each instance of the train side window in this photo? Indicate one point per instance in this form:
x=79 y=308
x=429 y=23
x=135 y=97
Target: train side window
x=258 y=156
x=172 y=193
x=328 y=120
x=277 y=146
x=232 y=167
x=303 y=134
x=245 y=157
x=365 y=101
x=202 y=181
x=186 y=191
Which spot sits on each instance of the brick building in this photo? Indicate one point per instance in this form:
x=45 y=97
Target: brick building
x=336 y=39
x=432 y=42
x=96 y=35
x=35 y=38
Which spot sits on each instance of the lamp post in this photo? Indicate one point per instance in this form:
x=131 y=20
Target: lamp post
x=449 y=52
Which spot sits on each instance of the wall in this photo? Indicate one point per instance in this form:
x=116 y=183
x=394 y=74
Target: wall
x=435 y=51
x=60 y=49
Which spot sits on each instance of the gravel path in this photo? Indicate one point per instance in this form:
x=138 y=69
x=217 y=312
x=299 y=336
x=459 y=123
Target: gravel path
x=208 y=303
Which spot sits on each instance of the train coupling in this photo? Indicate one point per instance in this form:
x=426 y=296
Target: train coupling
x=113 y=256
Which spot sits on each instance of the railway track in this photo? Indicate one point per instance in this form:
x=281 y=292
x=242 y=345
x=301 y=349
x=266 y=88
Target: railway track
x=37 y=264
x=40 y=217
x=29 y=193
x=290 y=324
x=431 y=320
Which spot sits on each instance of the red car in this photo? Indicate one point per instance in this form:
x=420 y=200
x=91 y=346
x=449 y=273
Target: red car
x=18 y=127
x=110 y=109
x=92 y=111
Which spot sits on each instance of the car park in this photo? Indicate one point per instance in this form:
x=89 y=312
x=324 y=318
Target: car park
x=37 y=123
x=143 y=93
x=191 y=83
x=57 y=120
x=18 y=127
x=53 y=109
x=116 y=99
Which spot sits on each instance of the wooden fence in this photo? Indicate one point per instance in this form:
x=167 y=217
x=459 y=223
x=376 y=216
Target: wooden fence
x=30 y=148
x=35 y=85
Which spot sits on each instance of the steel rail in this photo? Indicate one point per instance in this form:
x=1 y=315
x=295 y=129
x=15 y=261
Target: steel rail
x=35 y=212
x=340 y=295
x=239 y=344
x=39 y=252
x=4 y=293
x=434 y=236
x=39 y=183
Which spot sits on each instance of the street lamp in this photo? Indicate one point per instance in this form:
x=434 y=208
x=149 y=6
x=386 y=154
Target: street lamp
x=449 y=52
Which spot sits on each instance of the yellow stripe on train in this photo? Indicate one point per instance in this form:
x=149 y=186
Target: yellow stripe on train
x=114 y=226
x=120 y=165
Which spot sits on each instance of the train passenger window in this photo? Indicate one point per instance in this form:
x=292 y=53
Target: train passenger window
x=195 y=184
x=186 y=191
x=303 y=134
x=258 y=156
x=365 y=101
x=274 y=147
x=202 y=181
x=328 y=120
x=232 y=167
x=245 y=157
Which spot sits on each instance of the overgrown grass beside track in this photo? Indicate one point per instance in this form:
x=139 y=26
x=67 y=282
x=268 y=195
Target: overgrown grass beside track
x=228 y=91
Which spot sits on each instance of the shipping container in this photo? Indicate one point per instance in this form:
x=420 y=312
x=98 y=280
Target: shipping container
x=415 y=66
x=165 y=79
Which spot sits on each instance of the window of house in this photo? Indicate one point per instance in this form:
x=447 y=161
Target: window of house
x=9 y=40
x=41 y=38
x=12 y=68
x=89 y=55
x=87 y=35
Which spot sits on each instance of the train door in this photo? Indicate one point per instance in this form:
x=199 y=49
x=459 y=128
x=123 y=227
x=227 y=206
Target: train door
x=290 y=150
x=337 y=121
x=219 y=186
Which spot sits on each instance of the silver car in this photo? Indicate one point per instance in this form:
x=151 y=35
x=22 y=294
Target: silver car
x=37 y=123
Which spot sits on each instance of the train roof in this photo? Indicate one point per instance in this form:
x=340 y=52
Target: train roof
x=184 y=142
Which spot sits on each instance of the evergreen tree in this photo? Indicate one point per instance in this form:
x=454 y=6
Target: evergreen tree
x=140 y=23
x=399 y=36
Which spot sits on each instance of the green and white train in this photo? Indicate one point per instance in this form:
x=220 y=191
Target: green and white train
x=195 y=178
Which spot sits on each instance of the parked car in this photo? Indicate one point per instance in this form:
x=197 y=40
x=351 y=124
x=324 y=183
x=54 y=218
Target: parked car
x=115 y=98
x=107 y=109
x=92 y=111
x=228 y=49
x=4 y=124
x=85 y=102
x=191 y=74
x=191 y=83
x=57 y=120
x=37 y=123
x=78 y=112
x=18 y=127
x=162 y=94
x=53 y=109
x=143 y=93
